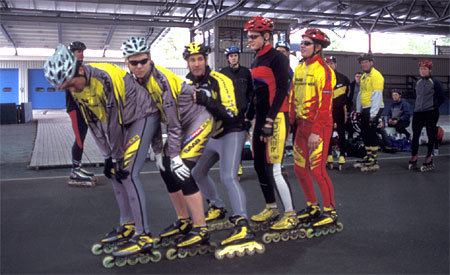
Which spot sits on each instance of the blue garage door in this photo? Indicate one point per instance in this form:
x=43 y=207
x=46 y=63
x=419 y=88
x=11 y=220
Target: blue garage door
x=9 y=86
x=43 y=95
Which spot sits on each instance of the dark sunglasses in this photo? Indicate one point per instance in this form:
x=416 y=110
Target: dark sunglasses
x=306 y=43
x=136 y=62
x=253 y=36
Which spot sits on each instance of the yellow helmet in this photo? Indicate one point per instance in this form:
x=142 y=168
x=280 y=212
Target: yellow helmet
x=195 y=48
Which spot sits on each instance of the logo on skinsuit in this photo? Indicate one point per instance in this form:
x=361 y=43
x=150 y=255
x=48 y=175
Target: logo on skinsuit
x=190 y=147
x=192 y=136
x=131 y=141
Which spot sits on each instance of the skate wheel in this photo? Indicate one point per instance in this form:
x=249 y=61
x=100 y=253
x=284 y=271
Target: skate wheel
x=341 y=167
x=211 y=227
x=193 y=252
x=156 y=256
x=219 y=226
x=293 y=235
x=333 y=229
x=309 y=233
x=228 y=225
x=306 y=225
x=171 y=254
x=325 y=232
x=165 y=242
x=230 y=255
x=120 y=262
x=340 y=227
x=203 y=250
x=97 y=249
x=261 y=250
x=285 y=236
x=266 y=238
x=182 y=253
x=132 y=260
x=264 y=227
x=250 y=252
x=317 y=233
x=108 y=262
x=301 y=233
x=144 y=259
x=276 y=238
x=218 y=256
x=108 y=249
x=240 y=253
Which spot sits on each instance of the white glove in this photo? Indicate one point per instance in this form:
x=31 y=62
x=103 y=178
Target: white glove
x=159 y=162
x=179 y=168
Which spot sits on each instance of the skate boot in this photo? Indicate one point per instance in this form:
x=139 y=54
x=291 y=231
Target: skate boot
x=240 y=172
x=427 y=165
x=413 y=163
x=87 y=173
x=196 y=242
x=240 y=241
x=176 y=230
x=330 y=162
x=326 y=223
x=215 y=218
x=372 y=163
x=341 y=163
x=307 y=215
x=264 y=219
x=78 y=178
x=361 y=162
x=113 y=239
x=140 y=248
x=284 y=229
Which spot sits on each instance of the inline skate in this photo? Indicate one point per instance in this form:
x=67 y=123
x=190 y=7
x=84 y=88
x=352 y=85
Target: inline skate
x=140 y=248
x=176 y=230
x=196 y=242
x=413 y=163
x=264 y=219
x=215 y=218
x=341 y=162
x=326 y=223
x=427 y=165
x=371 y=165
x=330 y=162
x=240 y=242
x=79 y=179
x=308 y=214
x=285 y=229
x=113 y=239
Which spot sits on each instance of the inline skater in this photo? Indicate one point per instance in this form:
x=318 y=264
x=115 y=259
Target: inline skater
x=189 y=126
x=108 y=95
x=370 y=106
x=271 y=83
x=225 y=145
x=429 y=96
x=310 y=109
x=340 y=92
x=78 y=175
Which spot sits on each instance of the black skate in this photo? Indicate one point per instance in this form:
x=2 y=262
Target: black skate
x=308 y=214
x=79 y=179
x=240 y=242
x=427 y=166
x=412 y=164
x=140 y=248
x=113 y=239
x=196 y=242
x=178 y=229
x=326 y=223
x=215 y=218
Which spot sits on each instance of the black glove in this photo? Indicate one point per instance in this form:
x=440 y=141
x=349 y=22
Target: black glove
x=267 y=131
x=203 y=96
x=119 y=170
x=107 y=168
x=247 y=125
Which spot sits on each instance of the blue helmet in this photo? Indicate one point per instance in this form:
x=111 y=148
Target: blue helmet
x=231 y=49
x=283 y=44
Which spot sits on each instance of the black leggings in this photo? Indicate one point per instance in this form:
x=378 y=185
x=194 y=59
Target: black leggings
x=80 y=129
x=369 y=130
x=428 y=119
x=339 y=119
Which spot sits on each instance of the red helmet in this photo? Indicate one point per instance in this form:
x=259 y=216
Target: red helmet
x=426 y=63
x=259 y=24
x=318 y=36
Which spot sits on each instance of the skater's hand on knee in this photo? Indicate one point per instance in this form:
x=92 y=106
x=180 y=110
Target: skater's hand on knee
x=179 y=168
x=119 y=170
x=107 y=168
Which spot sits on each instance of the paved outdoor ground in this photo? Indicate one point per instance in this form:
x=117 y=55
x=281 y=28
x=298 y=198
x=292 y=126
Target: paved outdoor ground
x=395 y=220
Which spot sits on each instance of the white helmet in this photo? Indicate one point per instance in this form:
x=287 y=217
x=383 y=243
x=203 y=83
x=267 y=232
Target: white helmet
x=61 y=66
x=135 y=45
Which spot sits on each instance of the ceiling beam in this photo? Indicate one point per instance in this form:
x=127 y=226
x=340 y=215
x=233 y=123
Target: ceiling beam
x=220 y=14
x=59 y=33
x=8 y=17
x=132 y=3
x=109 y=37
x=7 y=36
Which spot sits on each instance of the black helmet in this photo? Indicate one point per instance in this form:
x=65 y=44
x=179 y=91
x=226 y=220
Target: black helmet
x=77 y=46
x=398 y=91
x=195 y=48
x=365 y=56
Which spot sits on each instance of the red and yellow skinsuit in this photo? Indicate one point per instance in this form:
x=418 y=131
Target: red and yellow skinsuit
x=310 y=110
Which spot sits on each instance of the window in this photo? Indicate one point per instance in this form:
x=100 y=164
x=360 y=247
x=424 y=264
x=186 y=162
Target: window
x=40 y=89
x=51 y=89
x=229 y=37
x=7 y=89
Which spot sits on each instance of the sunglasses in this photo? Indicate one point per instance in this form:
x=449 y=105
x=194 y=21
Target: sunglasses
x=136 y=62
x=306 y=43
x=253 y=36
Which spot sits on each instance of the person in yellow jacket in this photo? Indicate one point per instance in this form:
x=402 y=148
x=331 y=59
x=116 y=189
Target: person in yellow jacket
x=369 y=106
x=310 y=111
